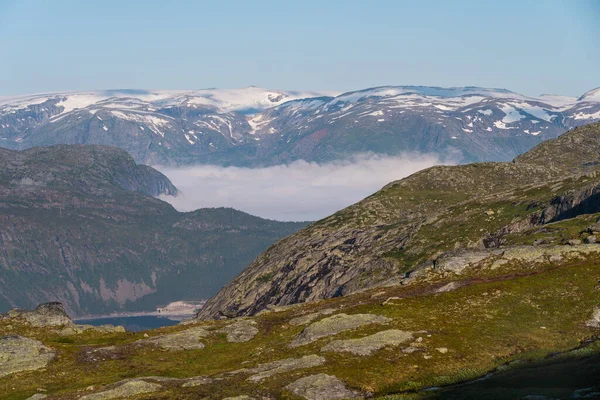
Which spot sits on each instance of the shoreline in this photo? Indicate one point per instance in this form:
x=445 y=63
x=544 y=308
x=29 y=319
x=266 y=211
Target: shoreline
x=176 y=316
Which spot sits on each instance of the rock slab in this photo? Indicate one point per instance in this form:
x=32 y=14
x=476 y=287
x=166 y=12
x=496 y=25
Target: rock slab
x=335 y=324
x=321 y=387
x=185 y=340
x=124 y=390
x=240 y=331
x=18 y=353
x=367 y=345
x=267 y=370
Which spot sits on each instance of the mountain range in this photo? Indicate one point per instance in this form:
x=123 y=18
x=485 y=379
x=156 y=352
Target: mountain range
x=256 y=127
x=81 y=224
x=441 y=219
x=477 y=281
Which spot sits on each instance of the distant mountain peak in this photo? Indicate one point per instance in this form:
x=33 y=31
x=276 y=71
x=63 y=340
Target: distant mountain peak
x=592 y=95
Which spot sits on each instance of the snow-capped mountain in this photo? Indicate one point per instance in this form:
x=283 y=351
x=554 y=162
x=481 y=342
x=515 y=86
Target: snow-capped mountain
x=254 y=126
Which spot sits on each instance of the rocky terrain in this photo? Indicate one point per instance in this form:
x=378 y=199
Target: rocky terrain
x=467 y=282
x=80 y=224
x=437 y=219
x=254 y=126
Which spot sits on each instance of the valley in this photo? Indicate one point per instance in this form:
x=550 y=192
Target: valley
x=455 y=282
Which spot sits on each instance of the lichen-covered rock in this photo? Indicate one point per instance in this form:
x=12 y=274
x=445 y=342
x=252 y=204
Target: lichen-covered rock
x=448 y=287
x=594 y=321
x=37 y=396
x=321 y=387
x=335 y=324
x=125 y=389
x=367 y=345
x=263 y=371
x=47 y=314
x=308 y=318
x=18 y=353
x=240 y=331
x=75 y=329
x=457 y=261
x=188 y=339
x=242 y=397
x=196 y=381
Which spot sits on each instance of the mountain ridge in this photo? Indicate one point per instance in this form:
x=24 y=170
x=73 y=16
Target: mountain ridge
x=81 y=224
x=256 y=127
x=409 y=224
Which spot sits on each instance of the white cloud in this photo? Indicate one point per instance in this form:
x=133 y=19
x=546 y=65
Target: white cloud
x=294 y=192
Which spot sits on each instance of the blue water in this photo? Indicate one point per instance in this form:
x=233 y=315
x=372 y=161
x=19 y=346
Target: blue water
x=132 y=324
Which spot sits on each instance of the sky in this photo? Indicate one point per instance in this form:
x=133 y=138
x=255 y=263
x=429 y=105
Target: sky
x=532 y=47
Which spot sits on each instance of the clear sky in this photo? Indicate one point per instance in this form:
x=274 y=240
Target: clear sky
x=532 y=47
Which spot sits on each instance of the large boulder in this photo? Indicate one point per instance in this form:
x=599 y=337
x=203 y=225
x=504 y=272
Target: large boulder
x=240 y=331
x=47 y=314
x=267 y=370
x=188 y=339
x=18 y=353
x=321 y=387
x=365 y=346
x=124 y=390
x=335 y=324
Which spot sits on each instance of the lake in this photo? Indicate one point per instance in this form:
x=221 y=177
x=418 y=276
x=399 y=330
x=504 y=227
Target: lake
x=131 y=323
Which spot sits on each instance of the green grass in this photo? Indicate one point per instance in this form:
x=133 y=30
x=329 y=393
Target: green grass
x=484 y=326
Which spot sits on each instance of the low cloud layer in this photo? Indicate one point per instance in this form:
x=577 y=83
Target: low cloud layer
x=299 y=191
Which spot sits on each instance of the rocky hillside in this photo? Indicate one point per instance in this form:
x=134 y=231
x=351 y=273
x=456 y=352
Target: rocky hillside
x=526 y=318
x=255 y=126
x=79 y=224
x=442 y=217
x=469 y=282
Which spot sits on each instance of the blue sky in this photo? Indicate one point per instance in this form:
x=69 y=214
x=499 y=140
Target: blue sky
x=532 y=47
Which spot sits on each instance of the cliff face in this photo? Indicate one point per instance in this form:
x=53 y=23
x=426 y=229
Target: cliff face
x=89 y=169
x=78 y=224
x=409 y=224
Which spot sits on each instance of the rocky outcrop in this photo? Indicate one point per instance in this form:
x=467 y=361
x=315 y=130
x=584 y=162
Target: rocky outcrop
x=188 y=339
x=53 y=315
x=267 y=370
x=74 y=216
x=18 y=353
x=240 y=331
x=365 y=346
x=44 y=315
x=594 y=321
x=125 y=389
x=420 y=222
x=335 y=324
x=321 y=387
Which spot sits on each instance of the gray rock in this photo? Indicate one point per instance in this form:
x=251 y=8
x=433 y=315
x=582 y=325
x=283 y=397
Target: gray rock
x=18 y=353
x=74 y=329
x=308 y=318
x=240 y=331
x=184 y=340
x=197 y=381
x=448 y=287
x=335 y=324
x=37 y=396
x=594 y=321
x=321 y=387
x=125 y=389
x=367 y=345
x=457 y=261
x=263 y=371
x=47 y=314
x=591 y=239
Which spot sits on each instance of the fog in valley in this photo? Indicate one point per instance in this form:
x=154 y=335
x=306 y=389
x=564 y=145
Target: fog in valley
x=300 y=191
